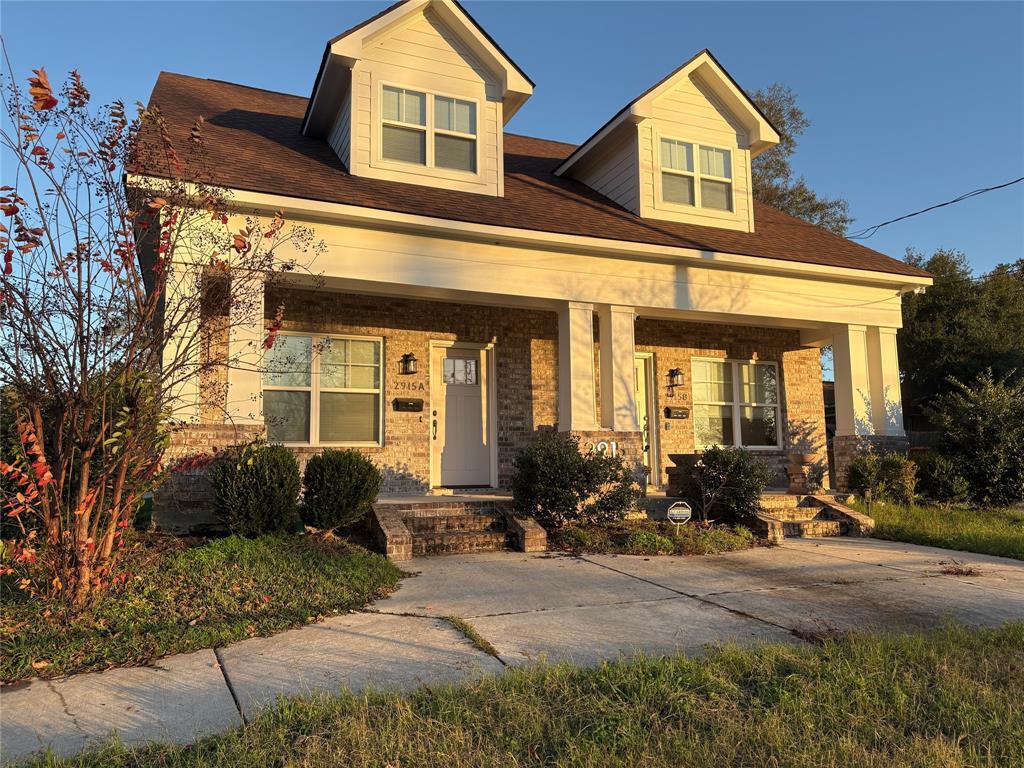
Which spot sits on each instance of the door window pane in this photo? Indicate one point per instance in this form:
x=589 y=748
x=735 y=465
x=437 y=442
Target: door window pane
x=460 y=371
x=287 y=363
x=287 y=416
x=405 y=144
x=677 y=189
x=455 y=152
x=713 y=424
x=348 y=417
x=715 y=162
x=716 y=194
x=758 y=426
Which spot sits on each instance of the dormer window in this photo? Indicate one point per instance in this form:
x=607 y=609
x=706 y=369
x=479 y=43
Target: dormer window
x=430 y=130
x=708 y=184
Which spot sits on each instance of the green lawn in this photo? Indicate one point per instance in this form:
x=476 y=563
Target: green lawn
x=181 y=595
x=650 y=537
x=986 y=531
x=946 y=699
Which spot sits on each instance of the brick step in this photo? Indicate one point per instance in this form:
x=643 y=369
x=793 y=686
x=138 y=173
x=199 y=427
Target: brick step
x=474 y=521
x=459 y=542
x=792 y=514
x=813 y=527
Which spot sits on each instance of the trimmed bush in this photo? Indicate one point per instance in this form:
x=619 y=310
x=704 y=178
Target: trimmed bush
x=256 y=490
x=340 y=488
x=939 y=479
x=725 y=485
x=557 y=484
x=886 y=477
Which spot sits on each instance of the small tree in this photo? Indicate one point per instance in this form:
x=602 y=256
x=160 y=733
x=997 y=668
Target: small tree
x=982 y=426
x=101 y=294
x=726 y=485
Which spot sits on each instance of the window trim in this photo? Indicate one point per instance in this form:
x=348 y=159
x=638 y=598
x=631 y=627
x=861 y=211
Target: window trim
x=430 y=130
x=315 y=390
x=737 y=404
x=697 y=175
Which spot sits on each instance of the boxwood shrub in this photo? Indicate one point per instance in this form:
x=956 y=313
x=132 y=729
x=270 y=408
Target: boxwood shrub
x=256 y=490
x=341 y=487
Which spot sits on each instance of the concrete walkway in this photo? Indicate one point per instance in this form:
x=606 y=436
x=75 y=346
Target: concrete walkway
x=530 y=607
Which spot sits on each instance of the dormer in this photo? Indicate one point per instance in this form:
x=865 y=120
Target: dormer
x=681 y=151
x=418 y=94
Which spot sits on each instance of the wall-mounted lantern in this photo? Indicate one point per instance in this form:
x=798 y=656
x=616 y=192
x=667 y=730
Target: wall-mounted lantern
x=675 y=377
x=408 y=364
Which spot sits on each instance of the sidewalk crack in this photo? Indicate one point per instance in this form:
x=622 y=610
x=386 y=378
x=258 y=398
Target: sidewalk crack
x=231 y=688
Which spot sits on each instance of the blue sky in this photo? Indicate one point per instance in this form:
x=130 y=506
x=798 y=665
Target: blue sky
x=911 y=103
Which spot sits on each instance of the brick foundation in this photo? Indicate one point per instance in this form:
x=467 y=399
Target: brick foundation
x=847 y=447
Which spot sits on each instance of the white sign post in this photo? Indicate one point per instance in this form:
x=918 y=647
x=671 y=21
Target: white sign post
x=679 y=513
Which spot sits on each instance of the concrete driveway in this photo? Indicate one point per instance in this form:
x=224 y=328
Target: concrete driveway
x=530 y=607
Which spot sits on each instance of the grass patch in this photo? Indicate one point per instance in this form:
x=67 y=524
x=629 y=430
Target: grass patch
x=479 y=641
x=181 y=595
x=985 y=531
x=650 y=537
x=944 y=699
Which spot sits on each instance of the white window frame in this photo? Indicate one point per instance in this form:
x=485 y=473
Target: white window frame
x=737 y=403
x=697 y=174
x=315 y=390
x=429 y=128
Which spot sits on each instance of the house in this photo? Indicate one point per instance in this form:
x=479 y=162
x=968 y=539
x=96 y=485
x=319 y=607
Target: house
x=479 y=287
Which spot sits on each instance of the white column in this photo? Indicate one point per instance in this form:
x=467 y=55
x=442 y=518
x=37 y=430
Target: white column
x=853 y=382
x=884 y=368
x=577 y=405
x=618 y=350
x=181 y=340
x=246 y=332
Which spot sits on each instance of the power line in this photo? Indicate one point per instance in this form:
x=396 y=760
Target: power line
x=864 y=234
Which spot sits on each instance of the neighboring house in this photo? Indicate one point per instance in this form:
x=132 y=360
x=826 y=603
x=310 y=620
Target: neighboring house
x=630 y=289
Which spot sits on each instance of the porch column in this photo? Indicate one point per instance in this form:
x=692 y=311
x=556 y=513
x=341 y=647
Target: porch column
x=577 y=405
x=618 y=390
x=853 y=382
x=883 y=364
x=245 y=352
x=181 y=342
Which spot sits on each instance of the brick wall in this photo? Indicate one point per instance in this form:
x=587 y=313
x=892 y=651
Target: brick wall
x=526 y=365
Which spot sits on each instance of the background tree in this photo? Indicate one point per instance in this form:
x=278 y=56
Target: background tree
x=961 y=326
x=774 y=183
x=101 y=294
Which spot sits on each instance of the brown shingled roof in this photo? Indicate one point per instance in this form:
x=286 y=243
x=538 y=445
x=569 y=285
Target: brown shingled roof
x=253 y=140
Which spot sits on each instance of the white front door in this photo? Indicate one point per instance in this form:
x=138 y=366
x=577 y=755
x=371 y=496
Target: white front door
x=460 y=449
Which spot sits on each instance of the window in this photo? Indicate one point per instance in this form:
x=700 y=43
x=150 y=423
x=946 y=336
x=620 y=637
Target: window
x=441 y=136
x=320 y=390
x=708 y=185
x=735 y=403
x=459 y=371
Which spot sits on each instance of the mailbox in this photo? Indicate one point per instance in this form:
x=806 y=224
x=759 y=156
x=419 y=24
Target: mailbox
x=408 y=404
x=677 y=413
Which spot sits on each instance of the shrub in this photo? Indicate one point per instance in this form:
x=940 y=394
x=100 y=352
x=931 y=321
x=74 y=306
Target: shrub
x=726 y=485
x=982 y=428
x=647 y=543
x=557 y=483
x=887 y=477
x=940 y=480
x=574 y=539
x=256 y=490
x=340 y=488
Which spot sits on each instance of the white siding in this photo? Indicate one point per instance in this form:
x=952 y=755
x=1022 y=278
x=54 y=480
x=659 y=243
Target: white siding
x=341 y=131
x=423 y=54
x=615 y=172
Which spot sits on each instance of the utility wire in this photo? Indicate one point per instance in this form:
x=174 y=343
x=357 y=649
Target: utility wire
x=864 y=234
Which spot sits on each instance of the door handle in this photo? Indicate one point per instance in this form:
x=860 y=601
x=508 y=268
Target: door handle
x=434 y=429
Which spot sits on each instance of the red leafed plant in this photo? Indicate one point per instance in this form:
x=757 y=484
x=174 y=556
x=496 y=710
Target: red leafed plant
x=103 y=287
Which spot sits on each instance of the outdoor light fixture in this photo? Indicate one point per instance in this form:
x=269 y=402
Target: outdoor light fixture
x=408 y=363
x=675 y=377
